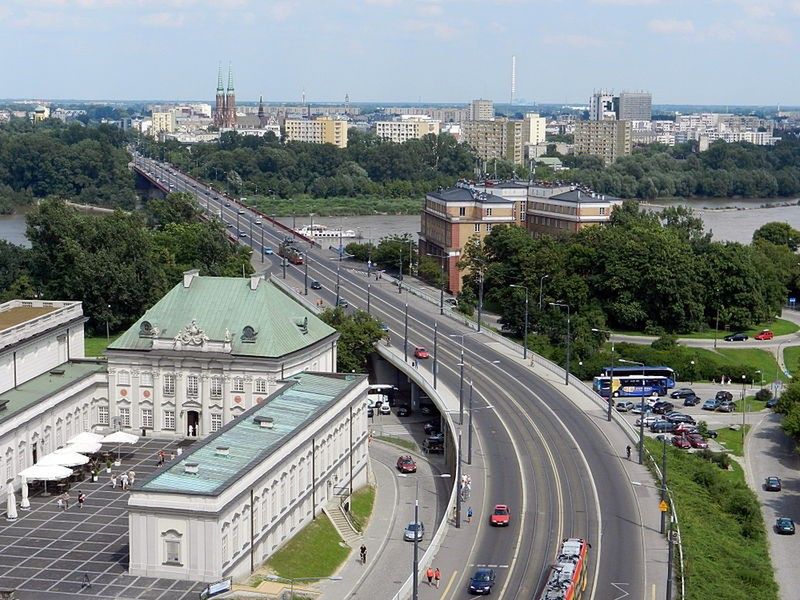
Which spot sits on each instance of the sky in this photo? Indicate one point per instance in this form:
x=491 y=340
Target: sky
x=736 y=52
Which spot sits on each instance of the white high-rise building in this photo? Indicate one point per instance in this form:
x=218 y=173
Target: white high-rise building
x=601 y=106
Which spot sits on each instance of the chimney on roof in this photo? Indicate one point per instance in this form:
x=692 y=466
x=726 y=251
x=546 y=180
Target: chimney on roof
x=254 y=279
x=191 y=468
x=264 y=422
x=222 y=451
x=189 y=275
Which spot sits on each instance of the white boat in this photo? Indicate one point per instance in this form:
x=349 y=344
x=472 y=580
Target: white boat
x=321 y=231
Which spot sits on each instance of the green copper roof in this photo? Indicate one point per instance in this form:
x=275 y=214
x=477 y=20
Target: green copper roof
x=220 y=304
x=305 y=396
x=35 y=390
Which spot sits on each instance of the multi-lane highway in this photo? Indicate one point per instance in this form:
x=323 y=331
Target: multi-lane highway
x=543 y=457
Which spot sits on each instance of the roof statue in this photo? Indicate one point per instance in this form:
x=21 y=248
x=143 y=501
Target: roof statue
x=191 y=335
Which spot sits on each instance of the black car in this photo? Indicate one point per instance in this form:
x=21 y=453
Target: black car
x=682 y=393
x=370 y=412
x=315 y=285
x=772 y=484
x=663 y=426
x=662 y=406
x=432 y=427
x=723 y=395
x=403 y=411
x=736 y=337
x=691 y=400
x=784 y=525
x=772 y=402
x=482 y=581
x=342 y=302
x=680 y=418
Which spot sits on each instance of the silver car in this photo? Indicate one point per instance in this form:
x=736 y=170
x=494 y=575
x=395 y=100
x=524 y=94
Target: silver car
x=414 y=531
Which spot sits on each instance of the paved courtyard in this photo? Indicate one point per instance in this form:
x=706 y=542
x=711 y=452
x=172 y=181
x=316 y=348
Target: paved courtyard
x=46 y=552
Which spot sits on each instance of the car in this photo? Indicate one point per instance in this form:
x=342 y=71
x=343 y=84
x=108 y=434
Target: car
x=710 y=433
x=384 y=327
x=420 y=352
x=433 y=446
x=772 y=402
x=385 y=409
x=501 y=515
x=711 y=404
x=414 y=531
x=242 y=233
x=662 y=406
x=227 y=204
x=685 y=428
x=431 y=427
x=451 y=301
x=784 y=526
x=482 y=581
x=697 y=440
x=624 y=405
x=258 y=221
x=648 y=420
x=736 y=337
x=726 y=406
x=406 y=464
x=316 y=285
x=691 y=401
x=437 y=437
x=241 y=211
x=680 y=441
x=765 y=334
x=426 y=409
x=663 y=426
x=772 y=484
x=403 y=411
x=639 y=409
x=268 y=250
x=342 y=302
x=682 y=393
x=228 y=223
x=723 y=395
x=680 y=418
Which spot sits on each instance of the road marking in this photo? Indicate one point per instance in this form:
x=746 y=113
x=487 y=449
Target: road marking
x=479 y=566
x=449 y=583
x=625 y=593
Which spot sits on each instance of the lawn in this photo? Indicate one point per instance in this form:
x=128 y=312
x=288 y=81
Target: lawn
x=398 y=441
x=722 y=530
x=791 y=358
x=778 y=327
x=731 y=440
x=95 y=346
x=361 y=507
x=755 y=358
x=314 y=552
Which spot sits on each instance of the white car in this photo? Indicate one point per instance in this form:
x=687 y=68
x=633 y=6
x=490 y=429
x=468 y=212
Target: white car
x=385 y=410
x=649 y=420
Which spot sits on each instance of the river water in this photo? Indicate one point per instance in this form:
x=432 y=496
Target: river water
x=728 y=220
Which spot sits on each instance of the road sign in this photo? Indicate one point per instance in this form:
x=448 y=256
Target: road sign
x=663 y=506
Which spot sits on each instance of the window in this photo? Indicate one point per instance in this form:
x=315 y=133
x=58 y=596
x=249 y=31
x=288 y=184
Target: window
x=488 y=227
x=59 y=437
x=261 y=386
x=124 y=378
x=147 y=418
x=9 y=465
x=192 y=385
x=125 y=416
x=225 y=554
x=172 y=547
x=235 y=538
x=602 y=210
x=462 y=212
x=216 y=422
x=169 y=419
x=477 y=227
x=21 y=459
x=488 y=212
x=216 y=386
x=169 y=384
x=146 y=379
x=102 y=415
x=238 y=384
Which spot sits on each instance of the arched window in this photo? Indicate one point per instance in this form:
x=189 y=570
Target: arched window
x=171 y=541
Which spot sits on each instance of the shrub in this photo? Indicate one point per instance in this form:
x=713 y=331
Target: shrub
x=763 y=395
x=665 y=342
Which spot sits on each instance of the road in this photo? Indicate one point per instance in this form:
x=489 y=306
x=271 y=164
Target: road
x=543 y=457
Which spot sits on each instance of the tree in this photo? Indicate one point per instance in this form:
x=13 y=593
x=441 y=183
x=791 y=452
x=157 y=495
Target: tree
x=358 y=334
x=393 y=250
x=177 y=207
x=781 y=234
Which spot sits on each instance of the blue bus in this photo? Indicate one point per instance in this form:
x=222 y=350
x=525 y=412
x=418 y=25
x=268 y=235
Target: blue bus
x=620 y=370
x=630 y=386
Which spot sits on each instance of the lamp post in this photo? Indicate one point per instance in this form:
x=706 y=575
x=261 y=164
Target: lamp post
x=458 y=483
x=337 y=285
x=761 y=384
x=435 y=352
x=641 y=400
x=480 y=298
x=611 y=378
x=469 y=412
x=461 y=376
x=565 y=305
x=691 y=375
x=108 y=317
x=441 y=278
x=525 y=346
x=405 y=335
x=369 y=296
x=305 y=274
x=400 y=279
x=541 y=284
x=744 y=408
x=262 y=243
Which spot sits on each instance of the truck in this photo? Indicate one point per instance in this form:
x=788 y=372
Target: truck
x=288 y=251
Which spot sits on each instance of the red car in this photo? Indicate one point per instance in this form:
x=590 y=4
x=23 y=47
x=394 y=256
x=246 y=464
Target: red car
x=406 y=464
x=697 y=440
x=420 y=352
x=680 y=441
x=764 y=335
x=501 y=516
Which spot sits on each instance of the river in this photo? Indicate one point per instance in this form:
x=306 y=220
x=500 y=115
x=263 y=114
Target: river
x=727 y=220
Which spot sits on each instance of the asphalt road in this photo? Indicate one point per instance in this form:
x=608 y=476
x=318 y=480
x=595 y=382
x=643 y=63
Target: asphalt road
x=544 y=458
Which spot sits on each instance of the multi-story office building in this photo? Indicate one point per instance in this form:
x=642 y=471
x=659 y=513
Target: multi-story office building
x=163 y=122
x=408 y=127
x=536 y=127
x=322 y=130
x=451 y=217
x=567 y=211
x=481 y=110
x=634 y=106
x=601 y=106
x=607 y=139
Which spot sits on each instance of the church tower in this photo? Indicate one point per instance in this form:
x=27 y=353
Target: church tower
x=219 y=105
x=230 y=102
x=262 y=117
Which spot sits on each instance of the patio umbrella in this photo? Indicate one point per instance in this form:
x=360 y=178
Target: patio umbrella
x=80 y=448
x=119 y=438
x=25 y=504
x=11 y=509
x=86 y=436
x=63 y=459
x=39 y=472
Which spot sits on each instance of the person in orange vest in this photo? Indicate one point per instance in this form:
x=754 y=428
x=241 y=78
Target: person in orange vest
x=437 y=575
x=429 y=575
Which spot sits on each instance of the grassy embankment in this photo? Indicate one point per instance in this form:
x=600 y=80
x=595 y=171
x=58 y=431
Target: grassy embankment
x=334 y=207
x=778 y=327
x=722 y=530
x=95 y=346
x=791 y=358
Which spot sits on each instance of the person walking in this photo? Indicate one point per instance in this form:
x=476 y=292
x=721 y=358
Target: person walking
x=363 y=554
x=131 y=477
x=86 y=583
x=469 y=515
x=113 y=481
x=437 y=575
x=124 y=479
x=429 y=575
x=81 y=499
x=66 y=500
x=179 y=451
x=628 y=451
x=60 y=501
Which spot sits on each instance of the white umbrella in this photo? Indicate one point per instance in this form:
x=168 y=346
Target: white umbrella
x=45 y=473
x=11 y=510
x=81 y=448
x=86 y=436
x=120 y=437
x=25 y=504
x=64 y=459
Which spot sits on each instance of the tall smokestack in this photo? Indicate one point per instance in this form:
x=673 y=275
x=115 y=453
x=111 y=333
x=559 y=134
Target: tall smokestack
x=513 y=78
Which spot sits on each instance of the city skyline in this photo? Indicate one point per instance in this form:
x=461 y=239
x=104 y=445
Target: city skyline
x=683 y=52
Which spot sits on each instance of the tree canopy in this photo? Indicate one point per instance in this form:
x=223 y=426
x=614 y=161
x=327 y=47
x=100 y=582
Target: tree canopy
x=358 y=334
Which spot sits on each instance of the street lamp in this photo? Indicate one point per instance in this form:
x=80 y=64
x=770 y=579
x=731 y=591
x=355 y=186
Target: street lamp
x=641 y=404
x=480 y=298
x=691 y=375
x=291 y=580
x=108 y=334
x=525 y=347
x=744 y=407
x=541 y=283
x=565 y=305
x=761 y=378
x=441 y=277
x=305 y=273
x=469 y=412
x=611 y=378
x=461 y=376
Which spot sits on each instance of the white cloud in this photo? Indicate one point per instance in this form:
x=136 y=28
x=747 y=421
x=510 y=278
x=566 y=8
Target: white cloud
x=671 y=26
x=163 y=19
x=280 y=11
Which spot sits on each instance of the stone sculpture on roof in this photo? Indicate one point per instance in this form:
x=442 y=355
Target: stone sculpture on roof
x=191 y=335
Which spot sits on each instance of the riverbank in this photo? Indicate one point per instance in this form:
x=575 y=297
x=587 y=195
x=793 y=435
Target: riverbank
x=336 y=206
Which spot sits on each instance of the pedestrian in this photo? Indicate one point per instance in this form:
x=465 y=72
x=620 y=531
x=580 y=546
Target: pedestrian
x=429 y=575
x=81 y=499
x=86 y=583
x=113 y=481
x=413 y=364
x=363 y=553
x=131 y=477
x=437 y=575
x=66 y=500
x=124 y=479
x=179 y=451
x=628 y=451
x=469 y=515
x=60 y=502
x=160 y=462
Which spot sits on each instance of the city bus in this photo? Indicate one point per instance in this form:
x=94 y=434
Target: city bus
x=630 y=386
x=620 y=370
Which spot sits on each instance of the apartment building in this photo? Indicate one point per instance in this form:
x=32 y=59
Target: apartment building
x=481 y=110
x=503 y=138
x=567 y=211
x=607 y=139
x=514 y=191
x=634 y=106
x=409 y=127
x=163 y=122
x=322 y=130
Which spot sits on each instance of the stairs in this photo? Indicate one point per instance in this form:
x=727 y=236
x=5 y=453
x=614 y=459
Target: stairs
x=342 y=525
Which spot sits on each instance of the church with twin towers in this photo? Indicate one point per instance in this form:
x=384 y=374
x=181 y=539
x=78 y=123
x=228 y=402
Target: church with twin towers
x=225 y=106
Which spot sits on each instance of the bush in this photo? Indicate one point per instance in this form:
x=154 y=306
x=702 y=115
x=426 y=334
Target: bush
x=665 y=342
x=763 y=395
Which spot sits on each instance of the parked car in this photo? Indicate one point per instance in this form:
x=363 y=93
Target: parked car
x=420 y=352
x=691 y=400
x=431 y=427
x=726 y=406
x=624 y=405
x=501 y=515
x=648 y=420
x=765 y=334
x=784 y=526
x=482 y=581
x=406 y=464
x=680 y=441
x=662 y=406
x=433 y=446
x=680 y=418
x=316 y=285
x=385 y=409
x=663 y=426
x=723 y=395
x=241 y=211
x=403 y=411
x=697 y=440
x=414 y=531
x=736 y=337
x=711 y=404
x=772 y=484
x=682 y=393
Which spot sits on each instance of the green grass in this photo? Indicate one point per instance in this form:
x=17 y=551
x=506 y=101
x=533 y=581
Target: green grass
x=95 y=346
x=755 y=358
x=722 y=530
x=398 y=441
x=732 y=440
x=314 y=551
x=778 y=327
x=791 y=358
x=361 y=506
